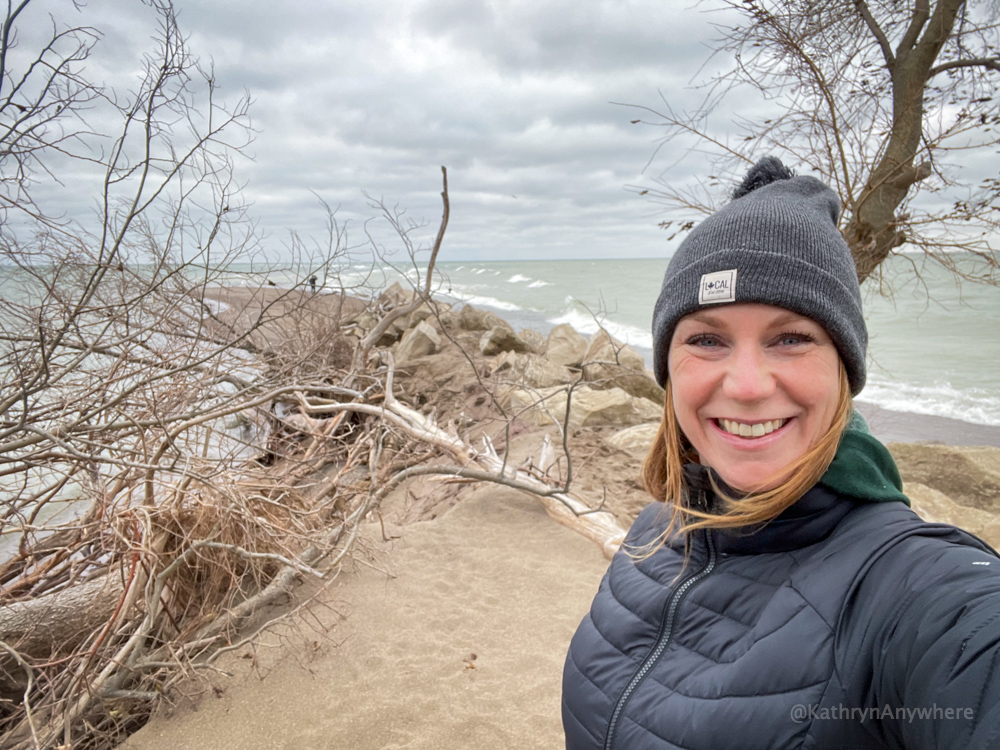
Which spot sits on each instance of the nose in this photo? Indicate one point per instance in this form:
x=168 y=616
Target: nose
x=749 y=377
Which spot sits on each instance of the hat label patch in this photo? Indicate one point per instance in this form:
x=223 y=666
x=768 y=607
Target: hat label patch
x=717 y=287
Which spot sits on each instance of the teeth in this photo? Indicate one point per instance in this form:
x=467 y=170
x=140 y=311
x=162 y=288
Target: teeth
x=750 y=430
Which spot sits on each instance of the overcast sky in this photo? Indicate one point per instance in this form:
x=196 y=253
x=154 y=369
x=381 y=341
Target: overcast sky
x=525 y=101
x=515 y=98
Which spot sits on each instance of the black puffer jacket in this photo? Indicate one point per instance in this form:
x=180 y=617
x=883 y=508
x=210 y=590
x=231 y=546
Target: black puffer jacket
x=842 y=624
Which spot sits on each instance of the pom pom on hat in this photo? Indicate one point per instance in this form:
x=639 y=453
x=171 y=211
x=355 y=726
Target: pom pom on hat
x=767 y=170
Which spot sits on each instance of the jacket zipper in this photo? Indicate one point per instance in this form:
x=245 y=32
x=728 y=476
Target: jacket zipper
x=661 y=643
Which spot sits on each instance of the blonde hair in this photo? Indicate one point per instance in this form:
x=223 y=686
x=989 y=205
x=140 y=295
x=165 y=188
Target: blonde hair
x=663 y=475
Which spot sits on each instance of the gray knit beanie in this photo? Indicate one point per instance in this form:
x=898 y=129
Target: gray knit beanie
x=776 y=243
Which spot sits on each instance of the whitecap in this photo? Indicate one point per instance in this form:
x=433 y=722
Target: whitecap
x=518 y=277
x=480 y=300
x=585 y=323
x=538 y=284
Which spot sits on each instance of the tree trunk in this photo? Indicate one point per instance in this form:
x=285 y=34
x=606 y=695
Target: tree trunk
x=873 y=230
x=53 y=623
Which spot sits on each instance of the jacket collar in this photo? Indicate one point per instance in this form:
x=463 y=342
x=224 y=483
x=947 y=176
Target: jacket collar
x=863 y=468
x=862 y=472
x=809 y=520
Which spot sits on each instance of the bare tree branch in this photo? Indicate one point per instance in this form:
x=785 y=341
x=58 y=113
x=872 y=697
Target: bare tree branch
x=877 y=32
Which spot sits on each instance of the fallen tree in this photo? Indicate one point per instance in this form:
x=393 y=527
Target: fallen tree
x=180 y=442
x=181 y=551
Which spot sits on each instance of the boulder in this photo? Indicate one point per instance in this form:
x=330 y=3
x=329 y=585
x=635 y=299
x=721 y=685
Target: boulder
x=531 y=370
x=612 y=364
x=967 y=475
x=588 y=408
x=418 y=342
x=395 y=295
x=421 y=314
x=393 y=333
x=565 y=346
x=366 y=320
x=636 y=440
x=933 y=505
x=473 y=319
x=533 y=339
x=501 y=339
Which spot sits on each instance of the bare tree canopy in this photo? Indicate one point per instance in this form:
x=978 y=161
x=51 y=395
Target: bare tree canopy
x=892 y=103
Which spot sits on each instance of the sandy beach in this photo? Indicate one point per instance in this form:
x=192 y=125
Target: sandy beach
x=450 y=629
x=385 y=660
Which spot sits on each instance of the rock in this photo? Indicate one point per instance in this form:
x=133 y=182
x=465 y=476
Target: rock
x=395 y=295
x=637 y=440
x=932 y=505
x=418 y=342
x=967 y=475
x=565 y=346
x=501 y=339
x=620 y=366
x=366 y=320
x=421 y=314
x=531 y=370
x=604 y=347
x=393 y=333
x=473 y=319
x=533 y=339
x=588 y=408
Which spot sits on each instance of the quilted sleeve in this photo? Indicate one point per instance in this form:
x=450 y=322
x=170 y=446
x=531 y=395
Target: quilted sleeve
x=935 y=627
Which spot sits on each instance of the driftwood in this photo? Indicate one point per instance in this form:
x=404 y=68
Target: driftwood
x=600 y=526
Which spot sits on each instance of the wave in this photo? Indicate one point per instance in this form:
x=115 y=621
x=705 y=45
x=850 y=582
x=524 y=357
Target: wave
x=517 y=278
x=939 y=400
x=481 y=300
x=586 y=324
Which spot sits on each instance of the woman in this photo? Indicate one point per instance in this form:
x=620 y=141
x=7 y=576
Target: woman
x=782 y=594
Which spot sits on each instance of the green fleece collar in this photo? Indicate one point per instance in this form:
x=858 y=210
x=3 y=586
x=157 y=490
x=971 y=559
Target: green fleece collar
x=863 y=468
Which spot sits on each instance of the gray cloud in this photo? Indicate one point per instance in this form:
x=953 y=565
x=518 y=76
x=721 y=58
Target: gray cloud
x=515 y=98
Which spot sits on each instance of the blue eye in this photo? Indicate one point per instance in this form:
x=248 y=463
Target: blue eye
x=794 y=339
x=703 y=340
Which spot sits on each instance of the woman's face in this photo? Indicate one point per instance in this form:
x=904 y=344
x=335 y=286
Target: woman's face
x=754 y=387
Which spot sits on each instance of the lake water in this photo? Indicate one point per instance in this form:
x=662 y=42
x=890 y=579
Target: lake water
x=934 y=345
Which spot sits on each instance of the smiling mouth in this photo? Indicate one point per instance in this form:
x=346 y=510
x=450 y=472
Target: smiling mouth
x=744 y=430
